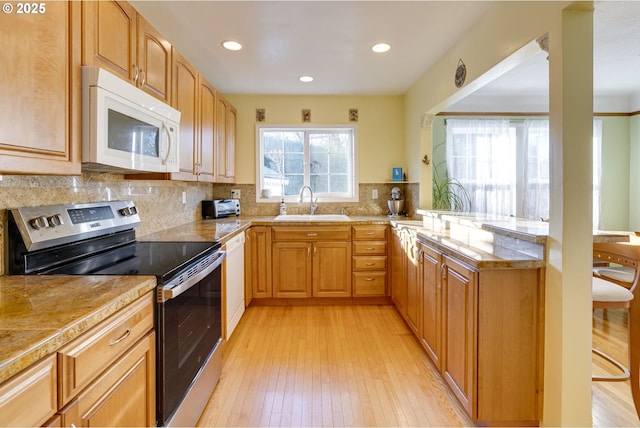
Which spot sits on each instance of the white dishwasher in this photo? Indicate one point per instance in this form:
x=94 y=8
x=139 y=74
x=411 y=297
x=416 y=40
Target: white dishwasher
x=234 y=301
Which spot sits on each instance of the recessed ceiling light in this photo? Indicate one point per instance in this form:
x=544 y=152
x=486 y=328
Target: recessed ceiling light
x=306 y=79
x=381 y=47
x=231 y=45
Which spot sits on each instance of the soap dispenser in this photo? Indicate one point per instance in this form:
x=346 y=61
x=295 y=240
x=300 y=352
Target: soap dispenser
x=283 y=208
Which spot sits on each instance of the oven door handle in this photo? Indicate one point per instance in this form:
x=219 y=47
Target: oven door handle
x=176 y=287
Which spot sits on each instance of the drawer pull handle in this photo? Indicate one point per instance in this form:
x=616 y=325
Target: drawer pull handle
x=370 y=279
x=370 y=248
x=312 y=234
x=370 y=233
x=121 y=338
x=369 y=264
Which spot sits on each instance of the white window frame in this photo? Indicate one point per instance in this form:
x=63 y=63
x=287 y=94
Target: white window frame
x=354 y=197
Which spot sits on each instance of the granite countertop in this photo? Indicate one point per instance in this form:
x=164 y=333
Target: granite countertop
x=220 y=230
x=224 y=229
x=39 y=314
x=492 y=257
x=527 y=230
x=497 y=258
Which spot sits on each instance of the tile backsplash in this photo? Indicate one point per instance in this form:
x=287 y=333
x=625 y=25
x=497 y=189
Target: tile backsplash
x=160 y=202
x=365 y=206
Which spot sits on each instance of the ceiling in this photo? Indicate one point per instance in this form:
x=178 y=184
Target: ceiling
x=331 y=41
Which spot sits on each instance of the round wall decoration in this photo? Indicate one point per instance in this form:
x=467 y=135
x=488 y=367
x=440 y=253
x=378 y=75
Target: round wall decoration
x=461 y=73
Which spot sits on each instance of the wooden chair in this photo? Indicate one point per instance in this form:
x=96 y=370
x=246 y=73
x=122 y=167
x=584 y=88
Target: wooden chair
x=608 y=295
x=627 y=255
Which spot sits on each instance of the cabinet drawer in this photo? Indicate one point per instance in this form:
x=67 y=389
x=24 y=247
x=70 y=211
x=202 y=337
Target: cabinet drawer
x=369 y=284
x=29 y=398
x=371 y=231
x=369 y=262
x=369 y=247
x=300 y=233
x=83 y=359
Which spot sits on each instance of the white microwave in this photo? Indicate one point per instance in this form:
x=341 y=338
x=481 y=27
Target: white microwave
x=125 y=129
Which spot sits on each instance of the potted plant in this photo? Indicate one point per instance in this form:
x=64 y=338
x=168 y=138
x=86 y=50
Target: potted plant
x=448 y=193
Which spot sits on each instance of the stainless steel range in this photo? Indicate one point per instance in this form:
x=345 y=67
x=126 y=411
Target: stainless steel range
x=99 y=239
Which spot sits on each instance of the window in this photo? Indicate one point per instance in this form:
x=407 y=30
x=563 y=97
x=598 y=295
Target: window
x=504 y=165
x=320 y=157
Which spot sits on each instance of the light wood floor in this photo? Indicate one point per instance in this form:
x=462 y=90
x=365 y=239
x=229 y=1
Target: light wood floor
x=359 y=366
x=612 y=404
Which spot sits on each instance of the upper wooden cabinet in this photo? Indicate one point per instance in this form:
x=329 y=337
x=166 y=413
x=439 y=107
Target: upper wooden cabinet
x=226 y=117
x=40 y=87
x=185 y=99
x=196 y=100
x=117 y=38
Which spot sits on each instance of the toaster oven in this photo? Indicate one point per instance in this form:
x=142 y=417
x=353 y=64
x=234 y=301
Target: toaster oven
x=218 y=208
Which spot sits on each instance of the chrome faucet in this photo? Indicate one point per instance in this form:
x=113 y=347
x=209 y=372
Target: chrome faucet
x=313 y=205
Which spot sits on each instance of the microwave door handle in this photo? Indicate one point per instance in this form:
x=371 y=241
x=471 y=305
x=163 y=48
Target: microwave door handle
x=165 y=128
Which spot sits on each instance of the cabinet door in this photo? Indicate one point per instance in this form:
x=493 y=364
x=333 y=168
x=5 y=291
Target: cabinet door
x=414 y=294
x=30 y=397
x=398 y=272
x=459 y=338
x=154 y=61
x=109 y=37
x=185 y=98
x=40 y=87
x=332 y=269
x=260 y=261
x=292 y=269
x=248 y=272
x=220 y=156
x=207 y=131
x=431 y=328
x=232 y=117
x=123 y=396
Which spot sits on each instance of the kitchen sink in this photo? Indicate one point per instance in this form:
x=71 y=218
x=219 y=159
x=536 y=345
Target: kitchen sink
x=312 y=217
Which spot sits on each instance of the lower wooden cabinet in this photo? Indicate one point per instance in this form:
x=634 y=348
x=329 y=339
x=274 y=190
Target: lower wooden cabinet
x=459 y=330
x=311 y=269
x=369 y=261
x=431 y=321
x=30 y=397
x=483 y=329
x=124 y=395
x=311 y=261
x=405 y=287
x=258 y=263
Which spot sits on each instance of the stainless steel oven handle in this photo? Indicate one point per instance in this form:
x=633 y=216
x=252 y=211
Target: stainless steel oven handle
x=175 y=288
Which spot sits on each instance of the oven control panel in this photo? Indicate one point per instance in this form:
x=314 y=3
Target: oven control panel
x=47 y=226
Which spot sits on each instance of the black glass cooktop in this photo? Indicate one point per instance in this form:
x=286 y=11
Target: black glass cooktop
x=162 y=259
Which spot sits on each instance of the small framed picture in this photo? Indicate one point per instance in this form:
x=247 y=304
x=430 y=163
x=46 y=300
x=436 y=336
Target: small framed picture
x=306 y=115
x=260 y=115
x=396 y=174
x=353 y=115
